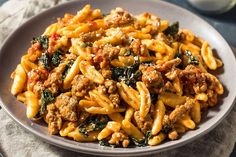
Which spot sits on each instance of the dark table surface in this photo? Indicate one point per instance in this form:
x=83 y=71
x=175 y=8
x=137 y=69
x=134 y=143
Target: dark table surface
x=223 y=23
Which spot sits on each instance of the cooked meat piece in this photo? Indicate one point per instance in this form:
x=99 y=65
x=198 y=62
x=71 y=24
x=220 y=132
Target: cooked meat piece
x=194 y=81
x=54 y=81
x=54 y=119
x=67 y=107
x=172 y=74
x=111 y=86
x=213 y=83
x=110 y=51
x=200 y=85
x=34 y=76
x=138 y=48
x=92 y=36
x=101 y=59
x=180 y=110
x=152 y=79
x=106 y=73
x=102 y=89
x=34 y=52
x=144 y=124
x=115 y=99
x=38 y=88
x=118 y=137
x=80 y=86
x=118 y=17
x=104 y=54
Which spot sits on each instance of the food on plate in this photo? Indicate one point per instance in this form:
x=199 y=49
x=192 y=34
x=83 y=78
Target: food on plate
x=117 y=78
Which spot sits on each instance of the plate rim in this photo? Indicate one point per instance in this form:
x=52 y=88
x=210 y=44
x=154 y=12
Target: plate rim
x=128 y=152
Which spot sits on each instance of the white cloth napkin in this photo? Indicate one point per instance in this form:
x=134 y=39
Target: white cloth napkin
x=15 y=142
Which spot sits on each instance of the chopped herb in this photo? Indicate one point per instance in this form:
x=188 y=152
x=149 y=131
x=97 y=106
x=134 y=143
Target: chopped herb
x=93 y=123
x=67 y=68
x=46 y=98
x=152 y=53
x=44 y=60
x=166 y=129
x=191 y=59
x=129 y=52
x=56 y=57
x=106 y=143
x=86 y=44
x=43 y=40
x=172 y=30
x=178 y=55
x=129 y=74
x=143 y=142
x=153 y=97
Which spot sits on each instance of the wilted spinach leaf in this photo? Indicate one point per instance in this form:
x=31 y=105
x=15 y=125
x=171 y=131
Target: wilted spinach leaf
x=43 y=40
x=56 y=57
x=93 y=123
x=153 y=97
x=143 y=142
x=67 y=68
x=44 y=60
x=172 y=30
x=129 y=52
x=106 y=143
x=191 y=59
x=166 y=129
x=178 y=55
x=46 y=98
x=86 y=44
x=129 y=74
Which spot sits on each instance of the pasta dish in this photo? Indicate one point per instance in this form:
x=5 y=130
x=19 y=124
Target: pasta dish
x=117 y=78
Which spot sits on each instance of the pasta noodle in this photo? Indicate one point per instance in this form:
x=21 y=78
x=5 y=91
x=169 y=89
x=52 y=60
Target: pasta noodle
x=119 y=79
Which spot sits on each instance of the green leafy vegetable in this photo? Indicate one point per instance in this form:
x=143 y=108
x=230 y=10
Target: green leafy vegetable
x=166 y=129
x=191 y=59
x=172 y=30
x=43 y=40
x=143 y=142
x=46 y=98
x=86 y=44
x=44 y=60
x=153 y=97
x=178 y=55
x=56 y=57
x=129 y=52
x=129 y=74
x=93 y=123
x=106 y=143
x=67 y=68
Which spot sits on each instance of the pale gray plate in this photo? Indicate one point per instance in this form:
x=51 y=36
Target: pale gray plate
x=18 y=42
